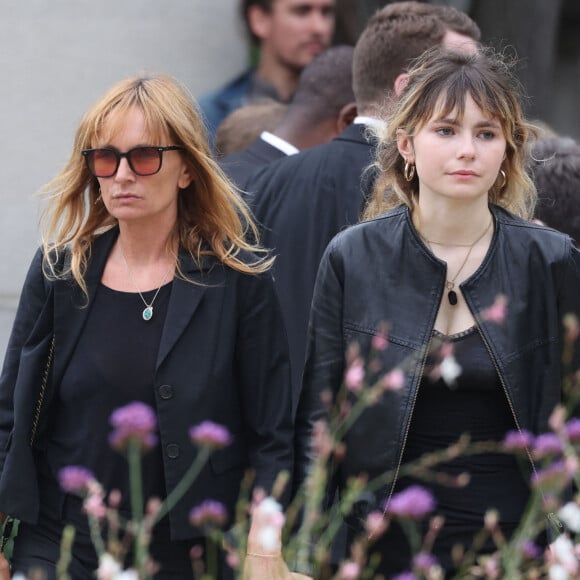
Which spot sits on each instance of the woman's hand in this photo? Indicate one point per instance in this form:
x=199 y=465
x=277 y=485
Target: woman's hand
x=264 y=555
x=4 y=568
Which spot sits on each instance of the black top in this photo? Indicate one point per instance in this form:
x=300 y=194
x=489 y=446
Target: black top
x=475 y=404
x=113 y=364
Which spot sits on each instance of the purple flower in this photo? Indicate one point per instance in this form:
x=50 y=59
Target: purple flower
x=75 y=479
x=529 y=550
x=212 y=435
x=208 y=513
x=518 y=440
x=424 y=562
x=573 y=429
x=414 y=502
x=133 y=422
x=405 y=576
x=547 y=445
x=555 y=476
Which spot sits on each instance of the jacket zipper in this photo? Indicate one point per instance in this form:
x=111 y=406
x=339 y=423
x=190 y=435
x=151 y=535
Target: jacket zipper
x=552 y=517
x=407 y=427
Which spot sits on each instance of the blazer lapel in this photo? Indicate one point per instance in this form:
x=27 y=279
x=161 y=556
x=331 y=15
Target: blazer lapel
x=71 y=306
x=183 y=302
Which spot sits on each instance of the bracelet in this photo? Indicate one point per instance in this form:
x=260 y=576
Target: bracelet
x=262 y=555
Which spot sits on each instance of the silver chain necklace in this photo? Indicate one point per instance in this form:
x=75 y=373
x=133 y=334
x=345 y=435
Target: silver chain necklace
x=147 y=313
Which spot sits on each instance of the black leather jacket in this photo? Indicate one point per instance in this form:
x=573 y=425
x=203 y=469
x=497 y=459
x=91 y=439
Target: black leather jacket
x=381 y=272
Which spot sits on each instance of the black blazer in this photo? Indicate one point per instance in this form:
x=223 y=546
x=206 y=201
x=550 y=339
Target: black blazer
x=223 y=357
x=241 y=166
x=300 y=203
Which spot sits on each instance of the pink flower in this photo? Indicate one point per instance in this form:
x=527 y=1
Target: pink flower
x=380 y=341
x=376 y=524
x=497 y=312
x=405 y=576
x=209 y=513
x=133 y=422
x=209 y=434
x=75 y=479
x=349 y=571
x=414 y=502
x=94 y=506
x=354 y=376
x=394 y=381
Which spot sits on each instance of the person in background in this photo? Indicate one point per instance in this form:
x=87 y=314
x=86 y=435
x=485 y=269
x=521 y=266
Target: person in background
x=287 y=35
x=240 y=129
x=321 y=108
x=554 y=163
x=152 y=296
x=446 y=261
x=302 y=201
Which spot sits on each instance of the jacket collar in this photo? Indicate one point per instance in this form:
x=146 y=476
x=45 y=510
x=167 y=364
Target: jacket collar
x=72 y=306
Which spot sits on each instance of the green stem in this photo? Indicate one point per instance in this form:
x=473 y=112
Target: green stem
x=136 y=483
x=66 y=544
x=183 y=485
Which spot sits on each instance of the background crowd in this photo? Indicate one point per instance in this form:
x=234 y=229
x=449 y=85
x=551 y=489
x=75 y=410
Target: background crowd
x=234 y=224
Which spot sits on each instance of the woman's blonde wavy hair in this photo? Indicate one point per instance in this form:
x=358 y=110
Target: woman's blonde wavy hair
x=439 y=82
x=212 y=218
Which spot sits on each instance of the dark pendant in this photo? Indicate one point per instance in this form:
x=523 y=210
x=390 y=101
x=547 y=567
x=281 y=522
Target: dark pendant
x=452 y=295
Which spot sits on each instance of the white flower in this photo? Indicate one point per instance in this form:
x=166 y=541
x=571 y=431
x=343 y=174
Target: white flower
x=563 y=552
x=127 y=575
x=109 y=568
x=570 y=515
x=270 y=506
x=558 y=572
x=449 y=369
x=269 y=539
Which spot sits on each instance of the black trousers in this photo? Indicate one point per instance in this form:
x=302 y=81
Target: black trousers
x=38 y=547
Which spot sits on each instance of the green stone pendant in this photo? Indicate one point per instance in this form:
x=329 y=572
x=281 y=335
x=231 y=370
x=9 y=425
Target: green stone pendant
x=148 y=313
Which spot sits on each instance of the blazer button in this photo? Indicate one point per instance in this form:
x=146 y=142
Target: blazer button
x=172 y=451
x=166 y=391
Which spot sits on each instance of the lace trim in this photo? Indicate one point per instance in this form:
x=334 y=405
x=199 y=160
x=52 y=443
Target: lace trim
x=455 y=336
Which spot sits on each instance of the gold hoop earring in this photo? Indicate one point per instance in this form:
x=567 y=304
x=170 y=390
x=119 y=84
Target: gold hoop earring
x=409 y=171
x=504 y=178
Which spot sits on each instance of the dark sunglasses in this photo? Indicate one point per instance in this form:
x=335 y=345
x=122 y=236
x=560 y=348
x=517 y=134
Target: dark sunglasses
x=142 y=160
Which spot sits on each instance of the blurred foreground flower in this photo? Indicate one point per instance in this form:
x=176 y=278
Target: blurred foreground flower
x=564 y=558
x=570 y=515
x=449 y=369
x=75 y=479
x=211 y=435
x=547 y=445
x=414 y=502
x=497 y=312
x=133 y=422
x=518 y=440
x=209 y=513
x=354 y=376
